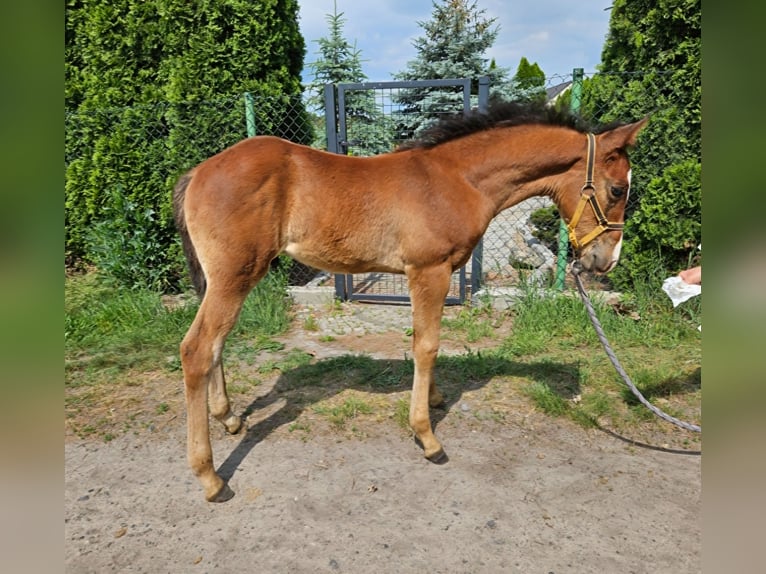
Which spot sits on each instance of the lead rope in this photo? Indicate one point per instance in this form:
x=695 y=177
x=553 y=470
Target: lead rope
x=600 y=332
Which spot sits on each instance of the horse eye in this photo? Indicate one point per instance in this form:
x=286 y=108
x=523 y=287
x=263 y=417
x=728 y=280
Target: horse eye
x=617 y=191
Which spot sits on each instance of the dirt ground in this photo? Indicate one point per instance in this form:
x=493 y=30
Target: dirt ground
x=527 y=494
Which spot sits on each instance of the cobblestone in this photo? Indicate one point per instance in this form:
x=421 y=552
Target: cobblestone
x=356 y=318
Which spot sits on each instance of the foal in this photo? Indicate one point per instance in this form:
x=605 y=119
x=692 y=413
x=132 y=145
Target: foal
x=418 y=211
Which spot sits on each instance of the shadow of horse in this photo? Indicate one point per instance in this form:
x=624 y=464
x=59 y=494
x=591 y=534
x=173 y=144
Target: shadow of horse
x=678 y=384
x=304 y=386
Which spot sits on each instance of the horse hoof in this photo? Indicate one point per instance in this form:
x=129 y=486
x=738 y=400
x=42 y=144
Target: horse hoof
x=222 y=495
x=233 y=424
x=439 y=457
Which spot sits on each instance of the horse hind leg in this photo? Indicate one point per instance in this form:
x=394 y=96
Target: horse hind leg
x=218 y=400
x=435 y=398
x=201 y=359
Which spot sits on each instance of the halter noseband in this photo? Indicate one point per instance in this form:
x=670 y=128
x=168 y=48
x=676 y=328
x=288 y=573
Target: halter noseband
x=588 y=196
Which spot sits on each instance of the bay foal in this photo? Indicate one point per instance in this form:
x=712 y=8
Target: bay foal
x=418 y=211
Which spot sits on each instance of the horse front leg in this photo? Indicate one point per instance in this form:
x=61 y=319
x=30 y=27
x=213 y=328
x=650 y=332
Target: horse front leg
x=428 y=289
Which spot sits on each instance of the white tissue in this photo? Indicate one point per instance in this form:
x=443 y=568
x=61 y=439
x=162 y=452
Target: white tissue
x=679 y=291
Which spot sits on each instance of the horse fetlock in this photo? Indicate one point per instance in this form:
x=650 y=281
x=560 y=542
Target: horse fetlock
x=214 y=487
x=432 y=448
x=435 y=398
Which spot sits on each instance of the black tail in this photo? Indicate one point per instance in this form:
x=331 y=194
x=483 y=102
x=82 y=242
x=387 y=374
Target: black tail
x=195 y=270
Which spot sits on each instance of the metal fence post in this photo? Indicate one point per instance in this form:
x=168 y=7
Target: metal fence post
x=561 y=261
x=331 y=130
x=330 y=118
x=250 y=114
x=477 y=259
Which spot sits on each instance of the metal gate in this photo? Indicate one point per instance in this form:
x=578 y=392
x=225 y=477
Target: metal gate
x=389 y=287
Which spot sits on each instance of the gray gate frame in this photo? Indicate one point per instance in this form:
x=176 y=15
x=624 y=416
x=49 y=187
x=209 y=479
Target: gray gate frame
x=335 y=106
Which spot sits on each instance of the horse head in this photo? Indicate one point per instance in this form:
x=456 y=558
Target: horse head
x=595 y=215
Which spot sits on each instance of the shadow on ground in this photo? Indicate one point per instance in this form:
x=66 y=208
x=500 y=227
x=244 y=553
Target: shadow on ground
x=679 y=384
x=304 y=386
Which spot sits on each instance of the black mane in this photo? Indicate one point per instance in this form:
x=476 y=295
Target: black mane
x=505 y=114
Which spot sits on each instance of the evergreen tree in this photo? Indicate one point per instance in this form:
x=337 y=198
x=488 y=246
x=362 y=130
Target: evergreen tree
x=338 y=62
x=528 y=83
x=368 y=130
x=455 y=40
x=152 y=88
x=651 y=64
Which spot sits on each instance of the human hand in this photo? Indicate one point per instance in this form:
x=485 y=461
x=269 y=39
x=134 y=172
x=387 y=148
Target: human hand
x=692 y=276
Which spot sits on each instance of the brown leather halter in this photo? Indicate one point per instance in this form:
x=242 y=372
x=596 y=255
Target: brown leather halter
x=588 y=196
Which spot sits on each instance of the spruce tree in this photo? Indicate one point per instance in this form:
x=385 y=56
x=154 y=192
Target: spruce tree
x=368 y=130
x=453 y=46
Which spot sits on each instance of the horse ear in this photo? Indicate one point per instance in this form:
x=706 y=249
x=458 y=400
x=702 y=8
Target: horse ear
x=624 y=136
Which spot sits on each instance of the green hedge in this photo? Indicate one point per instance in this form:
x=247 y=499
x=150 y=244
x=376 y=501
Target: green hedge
x=152 y=89
x=666 y=228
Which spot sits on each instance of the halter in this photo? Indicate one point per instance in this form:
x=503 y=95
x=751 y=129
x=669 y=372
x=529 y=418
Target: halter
x=588 y=196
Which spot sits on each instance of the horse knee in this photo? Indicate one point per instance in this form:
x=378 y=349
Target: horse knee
x=425 y=354
x=187 y=353
x=427 y=344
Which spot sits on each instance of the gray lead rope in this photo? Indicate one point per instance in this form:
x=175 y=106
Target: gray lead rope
x=600 y=332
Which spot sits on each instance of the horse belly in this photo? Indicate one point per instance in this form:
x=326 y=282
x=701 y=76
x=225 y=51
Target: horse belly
x=339 y=258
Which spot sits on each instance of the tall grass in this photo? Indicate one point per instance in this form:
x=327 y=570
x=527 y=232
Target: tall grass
x=109 y=327
x=543 y=318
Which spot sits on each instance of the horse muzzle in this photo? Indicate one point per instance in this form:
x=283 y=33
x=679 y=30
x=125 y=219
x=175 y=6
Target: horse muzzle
x=599 y=256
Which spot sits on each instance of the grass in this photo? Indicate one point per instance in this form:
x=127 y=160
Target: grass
x=659 y=347
x=349 y=409
x=401 y=414
x=310 y=323
x=112 y=330
x=551 y=362
x=293 y=359
x=116 y=338
x=471 y=323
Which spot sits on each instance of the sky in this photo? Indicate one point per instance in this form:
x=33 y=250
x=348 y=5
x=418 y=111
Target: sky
x=558 y=35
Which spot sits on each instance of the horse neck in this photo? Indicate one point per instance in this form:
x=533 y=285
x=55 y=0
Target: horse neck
x=523 y=162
